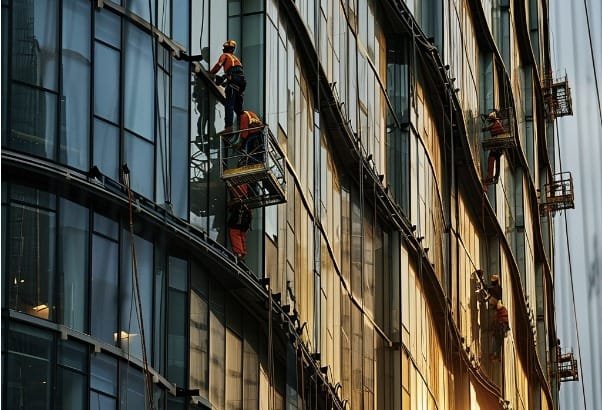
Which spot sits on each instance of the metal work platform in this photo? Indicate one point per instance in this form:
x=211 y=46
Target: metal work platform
x=498 y=128
x=557 y=96
x=566 y=367
x=257 y=177
x=558 y=194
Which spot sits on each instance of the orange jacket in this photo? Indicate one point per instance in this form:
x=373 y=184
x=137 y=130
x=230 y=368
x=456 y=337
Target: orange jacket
x=248 y=119
x=496 y=127
x=226 y=60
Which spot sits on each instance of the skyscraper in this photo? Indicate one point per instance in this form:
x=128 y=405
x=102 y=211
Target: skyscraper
x=415 y=155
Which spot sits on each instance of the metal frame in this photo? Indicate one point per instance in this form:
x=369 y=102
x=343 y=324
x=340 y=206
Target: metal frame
x=557 y=96
x=255 y=179
x=558 y=193
x=505 y=140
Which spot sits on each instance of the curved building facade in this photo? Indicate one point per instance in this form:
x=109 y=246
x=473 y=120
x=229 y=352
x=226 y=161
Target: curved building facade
x=360 y=291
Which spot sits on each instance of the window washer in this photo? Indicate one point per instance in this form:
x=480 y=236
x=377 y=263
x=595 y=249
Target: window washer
x=250 y=137
x=239 y=223
x=491 y=292
x=236 y=82
x=500 y=330
x=495 y=128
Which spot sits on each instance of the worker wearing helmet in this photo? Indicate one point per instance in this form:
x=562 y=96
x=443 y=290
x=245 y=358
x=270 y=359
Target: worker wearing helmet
x=494 y=289
x=236 y=82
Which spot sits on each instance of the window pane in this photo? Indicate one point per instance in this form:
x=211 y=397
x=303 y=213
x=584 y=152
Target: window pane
x=131 y=388
x=233 y=371
x=181 y=13
x=74 y=269
x=103 y=374
x=139 y=84
x=75 y=98
x=73 y=355
x=139 y=158
x=99 y=401
x=108 y=27
x=176 y=323
x=130 y=332
x=29 y=352
x=33 y=121
x=106 y=226
x=253 y=50
x=140 y=7
x=104 y=300
x=106 y=82
x=32 y=263
x=179 y=139
x=199 y=344
x=73 y=391
x=106 y=148
x=34 y=42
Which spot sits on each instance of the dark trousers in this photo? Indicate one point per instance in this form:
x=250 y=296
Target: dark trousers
x=254 y=148
x=234 y=96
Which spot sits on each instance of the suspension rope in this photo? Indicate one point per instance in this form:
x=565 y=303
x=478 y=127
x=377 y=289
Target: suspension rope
x=591 y=50
x=568 y=248
x=148 y=385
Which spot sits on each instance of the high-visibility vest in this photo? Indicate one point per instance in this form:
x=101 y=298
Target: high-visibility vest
x=228 y=61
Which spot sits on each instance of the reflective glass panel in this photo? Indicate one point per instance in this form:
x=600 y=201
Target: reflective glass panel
x=106 y=148
x=33 y=121
x=139 y=83
x=32 y=265
x=34 y=42
x=75 y=93
x=74 y=264
x=29 y=370
x=103 y=374
x=104 y=299
x=130 y=333
x=106 y=82
x=139 y=158
x=108 y=27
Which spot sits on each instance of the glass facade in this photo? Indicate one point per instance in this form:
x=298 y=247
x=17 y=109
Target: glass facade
x=358 y=292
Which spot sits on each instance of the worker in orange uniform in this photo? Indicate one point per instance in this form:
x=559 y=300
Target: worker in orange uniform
x=495 y=128
x=239 y=223
x=236 y=82
x=250 y=136
x=500 y=329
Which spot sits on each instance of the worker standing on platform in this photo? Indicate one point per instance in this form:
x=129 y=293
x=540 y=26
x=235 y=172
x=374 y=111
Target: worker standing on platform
x=500 y=329
x=239 y=223
x=250 y=136
x=495 y=128
x=236 y=82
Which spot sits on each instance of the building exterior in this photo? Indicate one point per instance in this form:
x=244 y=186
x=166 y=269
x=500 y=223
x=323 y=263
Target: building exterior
x=359 y=291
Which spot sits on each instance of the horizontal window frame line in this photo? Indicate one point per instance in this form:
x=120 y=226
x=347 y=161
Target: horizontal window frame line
x=33 y=86
x=188 y=234
x=333 y=117
x=97 y=346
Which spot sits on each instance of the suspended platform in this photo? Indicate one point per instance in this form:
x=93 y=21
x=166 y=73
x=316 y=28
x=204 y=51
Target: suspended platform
x=557 y=96
x=498 y=128
x=559 y=194
x=255 y=176
x=566 y=367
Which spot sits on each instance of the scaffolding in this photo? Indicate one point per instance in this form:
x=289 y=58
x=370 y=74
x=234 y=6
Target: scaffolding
x=498 y=128
x=566 y=366
x=254 y=176
x=558 y=193
x=557 y=96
